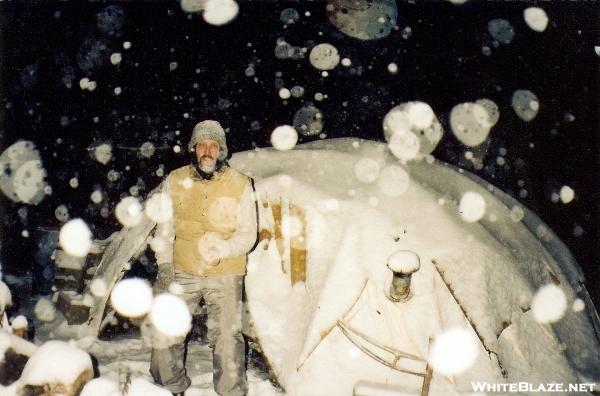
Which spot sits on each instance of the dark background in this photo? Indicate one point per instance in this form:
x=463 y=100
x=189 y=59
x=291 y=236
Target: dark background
x=46 y=45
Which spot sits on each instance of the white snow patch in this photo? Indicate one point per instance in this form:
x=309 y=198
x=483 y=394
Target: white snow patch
x=517 y=213
x=549 y=304
x=470 y=123
x=19 y=322
x=44 y=310
x=187 y=183
x=410 y=120
x=86 y=83
x=192 y=5
x=324 y=56
x=170 y=315
x=159 y=207
x=116 y=58
x=96 y=196
x=297 y=91
x=132 y=297
x=28 y=182
x=566 y=194
x=103 y=153
x=101 y=386
x=420 y=114
x=578 y=305
x=536 y=18
x=393 y=181
x=291 y=226
x=147 y=149
x=454 y=351
x=98 y=287
x=404 y=261
x=525 y=104
x=492 y=109
x=284 y=93
x=308 y=120
x=220 y=12
x=75 y=238
x=367 y=170
x=129 y=212
x=284 y=137
x=61 y=213
x=501 y=30
x=472 y=207
x=21 y=173
x=405 y=145
x=158 y=244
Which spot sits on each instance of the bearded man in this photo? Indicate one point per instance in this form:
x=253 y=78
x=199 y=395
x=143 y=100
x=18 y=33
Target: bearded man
x=213 y=228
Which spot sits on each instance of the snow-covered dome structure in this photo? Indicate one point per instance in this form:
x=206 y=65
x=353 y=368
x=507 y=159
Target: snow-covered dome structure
x=333 y=329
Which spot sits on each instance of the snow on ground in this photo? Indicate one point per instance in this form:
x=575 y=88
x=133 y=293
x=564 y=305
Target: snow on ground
x=117 y=359
x=122 y=362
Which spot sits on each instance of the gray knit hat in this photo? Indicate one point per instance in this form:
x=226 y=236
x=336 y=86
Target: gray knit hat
x=209 y=130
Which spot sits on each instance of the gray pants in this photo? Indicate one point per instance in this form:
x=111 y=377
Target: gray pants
x=223 y=298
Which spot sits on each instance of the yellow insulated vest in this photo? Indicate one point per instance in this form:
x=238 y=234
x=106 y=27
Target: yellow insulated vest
x=201 y=206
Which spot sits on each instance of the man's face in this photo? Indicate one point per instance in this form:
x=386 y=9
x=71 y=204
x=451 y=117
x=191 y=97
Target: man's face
x=207 y=152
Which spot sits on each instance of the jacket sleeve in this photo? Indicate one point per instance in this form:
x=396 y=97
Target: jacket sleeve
x=245 y=234
x=164 y=233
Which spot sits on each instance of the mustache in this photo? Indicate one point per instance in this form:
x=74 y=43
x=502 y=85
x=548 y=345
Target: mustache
x=207 y=157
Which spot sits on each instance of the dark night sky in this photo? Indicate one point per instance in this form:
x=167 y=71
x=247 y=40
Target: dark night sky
x=441 y=62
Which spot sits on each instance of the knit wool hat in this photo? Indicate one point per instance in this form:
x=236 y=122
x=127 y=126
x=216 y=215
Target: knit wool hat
x=209 y=130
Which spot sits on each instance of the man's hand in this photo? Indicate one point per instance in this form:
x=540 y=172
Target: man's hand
x=212 y=256
x=211 y=248
x=165 y=276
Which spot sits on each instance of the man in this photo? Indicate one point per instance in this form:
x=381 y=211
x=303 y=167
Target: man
x=212 y=229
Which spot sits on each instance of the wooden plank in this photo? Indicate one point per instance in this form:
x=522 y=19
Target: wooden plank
x=114 y=263
x=298 y=248
x=276 y=208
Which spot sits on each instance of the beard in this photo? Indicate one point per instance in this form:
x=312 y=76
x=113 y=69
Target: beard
x=206 y=171
x=208 y=167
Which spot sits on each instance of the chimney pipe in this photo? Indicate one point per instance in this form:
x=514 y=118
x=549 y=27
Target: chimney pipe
x=403 y=264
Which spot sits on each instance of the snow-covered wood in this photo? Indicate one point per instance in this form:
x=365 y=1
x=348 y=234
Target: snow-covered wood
x=122 y=248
